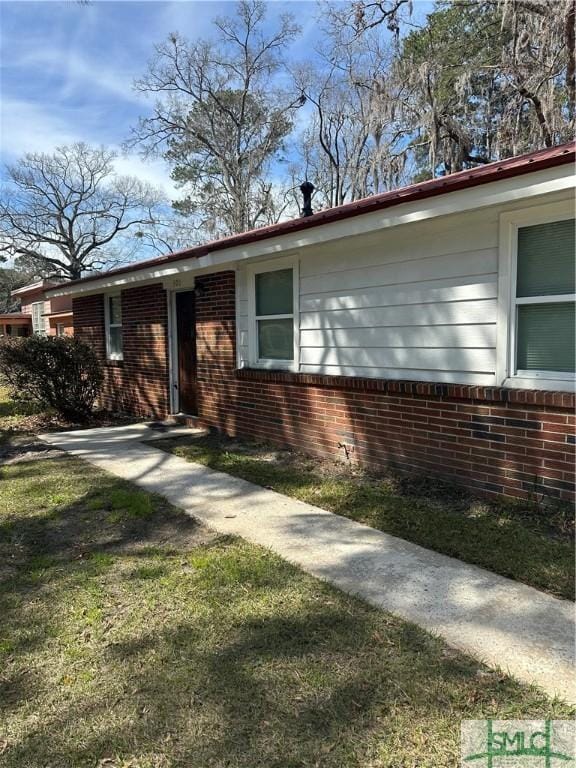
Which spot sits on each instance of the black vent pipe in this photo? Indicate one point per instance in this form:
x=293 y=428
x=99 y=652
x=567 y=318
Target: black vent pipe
x=307 y=188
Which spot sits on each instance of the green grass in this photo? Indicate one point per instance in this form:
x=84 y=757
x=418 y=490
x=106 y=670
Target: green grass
x=516 y=540
x=14 y=417
x=143 y=640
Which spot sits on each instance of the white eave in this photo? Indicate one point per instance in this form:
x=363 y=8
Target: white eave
x=39 y=285
x=493 y=193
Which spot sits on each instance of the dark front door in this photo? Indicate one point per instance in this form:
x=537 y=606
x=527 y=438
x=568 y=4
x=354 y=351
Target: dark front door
x=186 y=329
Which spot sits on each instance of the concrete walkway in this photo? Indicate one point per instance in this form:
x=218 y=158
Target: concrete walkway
x=501 y=622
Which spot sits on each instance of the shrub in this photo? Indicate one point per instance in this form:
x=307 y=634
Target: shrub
x=62 y=373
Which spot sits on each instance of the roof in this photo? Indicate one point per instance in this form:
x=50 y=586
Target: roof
x=38 y=285
x=15 y=316
x=503 y=169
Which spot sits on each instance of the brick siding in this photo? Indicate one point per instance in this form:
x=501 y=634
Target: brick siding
x=139 y=383
x=498 y=441
x=217 y=388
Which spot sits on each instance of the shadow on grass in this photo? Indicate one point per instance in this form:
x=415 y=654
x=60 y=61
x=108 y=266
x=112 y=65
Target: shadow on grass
x=109 y=516
x=145 y=640
x=13 y=408
x=289 y=691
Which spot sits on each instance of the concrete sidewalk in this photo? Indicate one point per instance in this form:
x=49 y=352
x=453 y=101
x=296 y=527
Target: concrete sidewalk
x=501 y=622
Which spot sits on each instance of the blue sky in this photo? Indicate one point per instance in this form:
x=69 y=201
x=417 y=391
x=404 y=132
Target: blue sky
x=67 y=68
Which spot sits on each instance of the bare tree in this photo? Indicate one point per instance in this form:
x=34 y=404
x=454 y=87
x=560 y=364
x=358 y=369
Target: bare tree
x=218 y=119
x=67 y=213
x=350 y=148
x=363 y=15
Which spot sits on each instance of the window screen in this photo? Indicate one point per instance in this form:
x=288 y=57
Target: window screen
x=115 y=327
x=274 y=302
x=545 y=290
x=546 y=263
x=546 y=337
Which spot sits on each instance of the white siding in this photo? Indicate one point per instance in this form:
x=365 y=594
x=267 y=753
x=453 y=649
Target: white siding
x=481 y=336
x=437 y=313
x=417 y=301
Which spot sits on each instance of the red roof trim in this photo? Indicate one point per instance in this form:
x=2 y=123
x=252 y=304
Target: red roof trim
x=504 y=169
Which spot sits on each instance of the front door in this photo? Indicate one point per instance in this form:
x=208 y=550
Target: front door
x=186 y=335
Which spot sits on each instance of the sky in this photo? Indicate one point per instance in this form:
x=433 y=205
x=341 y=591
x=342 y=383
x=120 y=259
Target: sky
x=67 y=70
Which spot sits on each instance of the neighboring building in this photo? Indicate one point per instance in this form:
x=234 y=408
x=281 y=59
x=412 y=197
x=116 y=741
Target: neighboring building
x=48 y=316
x=430 y=329
x=15 y=324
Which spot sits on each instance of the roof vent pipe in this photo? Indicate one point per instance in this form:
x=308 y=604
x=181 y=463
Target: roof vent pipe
x=307 y=188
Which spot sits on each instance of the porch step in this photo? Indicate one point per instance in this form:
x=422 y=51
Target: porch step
x=174 y=426
x=186 y=420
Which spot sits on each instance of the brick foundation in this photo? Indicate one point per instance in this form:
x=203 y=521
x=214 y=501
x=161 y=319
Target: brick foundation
x=493 y=440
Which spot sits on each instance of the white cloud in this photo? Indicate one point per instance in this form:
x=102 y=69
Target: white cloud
x=155 y=172
x=81 y=73
x=30 y=127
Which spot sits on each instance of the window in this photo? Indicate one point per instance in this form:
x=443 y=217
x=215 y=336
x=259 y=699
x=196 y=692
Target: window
x=60 y=329
x=273 y=300
x=540 y=315
x=38 y=321
x=113 y=316
x=545 y=298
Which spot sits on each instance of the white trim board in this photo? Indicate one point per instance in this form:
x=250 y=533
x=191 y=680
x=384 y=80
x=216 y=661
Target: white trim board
x=273 y=266
x=510 y=223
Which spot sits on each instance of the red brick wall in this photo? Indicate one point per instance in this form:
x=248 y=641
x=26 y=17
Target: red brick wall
x=216 y=351
x=139 y=383
x=89 y=322
x=517 y=443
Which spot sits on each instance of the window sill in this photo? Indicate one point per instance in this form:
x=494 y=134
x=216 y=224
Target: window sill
x=541 y=383
x=274 y=365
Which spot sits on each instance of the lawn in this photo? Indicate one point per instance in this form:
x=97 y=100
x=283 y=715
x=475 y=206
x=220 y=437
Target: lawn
x=132 y=637
x=21 y=421
x=17 y=418
x=516 y=539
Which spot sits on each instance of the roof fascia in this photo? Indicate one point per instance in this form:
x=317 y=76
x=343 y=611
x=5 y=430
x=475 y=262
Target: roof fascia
x=498 y=192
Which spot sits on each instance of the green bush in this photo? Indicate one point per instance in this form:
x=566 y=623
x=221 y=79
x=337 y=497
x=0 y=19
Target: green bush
x=63 y=373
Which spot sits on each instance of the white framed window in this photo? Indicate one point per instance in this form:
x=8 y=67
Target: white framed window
x=537 y=298
x=273 y=315
x=38 y=320
x=113 y=323
x=60 y=329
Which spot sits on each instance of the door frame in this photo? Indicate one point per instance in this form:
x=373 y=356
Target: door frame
x=173 y=372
